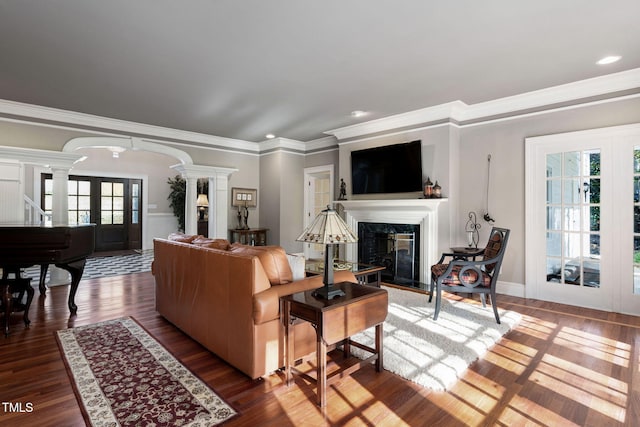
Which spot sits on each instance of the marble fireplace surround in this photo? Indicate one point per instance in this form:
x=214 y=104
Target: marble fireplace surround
x=423 y=212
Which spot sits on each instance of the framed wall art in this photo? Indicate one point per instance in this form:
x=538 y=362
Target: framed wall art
x=244 y=197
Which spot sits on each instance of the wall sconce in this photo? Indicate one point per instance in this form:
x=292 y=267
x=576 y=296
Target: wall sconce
x=203 y=204
x=472 y=228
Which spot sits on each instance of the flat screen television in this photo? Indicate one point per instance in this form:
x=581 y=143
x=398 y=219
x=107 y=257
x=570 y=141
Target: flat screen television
x=389 y=169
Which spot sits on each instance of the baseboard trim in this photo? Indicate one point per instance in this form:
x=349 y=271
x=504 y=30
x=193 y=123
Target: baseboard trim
x=511 y=289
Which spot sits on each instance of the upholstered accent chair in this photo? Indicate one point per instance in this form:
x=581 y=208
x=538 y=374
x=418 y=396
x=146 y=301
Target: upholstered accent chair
x=465 y=274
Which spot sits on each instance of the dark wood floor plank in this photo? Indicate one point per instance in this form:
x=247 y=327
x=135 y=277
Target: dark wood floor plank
x=562 y=365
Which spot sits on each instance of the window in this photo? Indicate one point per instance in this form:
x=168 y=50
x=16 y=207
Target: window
x=79 y=201
x=111 y=203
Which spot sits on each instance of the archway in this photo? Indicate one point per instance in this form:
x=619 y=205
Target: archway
x=218 y=177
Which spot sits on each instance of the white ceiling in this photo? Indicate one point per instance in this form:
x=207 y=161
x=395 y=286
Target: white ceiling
x=297 y=68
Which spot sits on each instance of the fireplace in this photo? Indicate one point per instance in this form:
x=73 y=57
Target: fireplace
x=392 y=246
x=398 y=214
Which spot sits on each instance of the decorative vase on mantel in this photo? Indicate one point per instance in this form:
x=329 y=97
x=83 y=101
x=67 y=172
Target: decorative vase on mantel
x=428 y=189
x=437 y=191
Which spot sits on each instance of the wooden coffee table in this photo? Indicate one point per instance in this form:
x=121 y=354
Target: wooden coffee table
x=335 y=321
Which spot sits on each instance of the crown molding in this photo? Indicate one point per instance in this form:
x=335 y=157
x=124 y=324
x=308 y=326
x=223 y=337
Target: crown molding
x=552 y=96
x=90 y=122
x=46 y=158
x=319 y=145
x=458 y=112
x=200 y=171
x=447 y=111
x=281 y=144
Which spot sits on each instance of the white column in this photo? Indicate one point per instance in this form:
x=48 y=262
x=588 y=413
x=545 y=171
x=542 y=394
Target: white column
x=59 y=216
x=218 y=197
x=219 y=228
x=60 y=207
x=11 y=193
x=190 y=208
x=212 y=209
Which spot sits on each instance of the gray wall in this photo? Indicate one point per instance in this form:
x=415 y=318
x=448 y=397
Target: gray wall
x=324 y=158
x=457 y=157
x=39 y=137
x=155 y=166
x=505 y=141
x=454 y=155
x=281 y=184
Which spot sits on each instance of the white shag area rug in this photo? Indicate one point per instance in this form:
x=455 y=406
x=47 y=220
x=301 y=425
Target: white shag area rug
x=435 y=354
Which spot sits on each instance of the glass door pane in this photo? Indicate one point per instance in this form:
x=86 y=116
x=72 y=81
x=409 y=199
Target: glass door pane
x=78 y=200
x=573 y=218
x=636 y=220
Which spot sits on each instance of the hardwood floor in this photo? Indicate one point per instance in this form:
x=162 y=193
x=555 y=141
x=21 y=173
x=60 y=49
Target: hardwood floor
x=561 y=366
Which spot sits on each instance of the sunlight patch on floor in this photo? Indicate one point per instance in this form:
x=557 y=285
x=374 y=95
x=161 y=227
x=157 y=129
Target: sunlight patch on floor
x=579 y=395
x=594 y=345
x=511 y=356
x=522 y=411
x=536 y=328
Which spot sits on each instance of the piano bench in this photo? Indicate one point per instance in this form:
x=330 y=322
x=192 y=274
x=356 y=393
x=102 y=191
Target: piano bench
x=10 y=304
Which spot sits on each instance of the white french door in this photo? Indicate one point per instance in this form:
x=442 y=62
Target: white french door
x=318 y=195
x=583 y=218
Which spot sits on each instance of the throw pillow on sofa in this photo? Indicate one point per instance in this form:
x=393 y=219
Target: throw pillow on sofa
x=183 y=238
x=273 y=260
x=211 y=243
x=297 y=263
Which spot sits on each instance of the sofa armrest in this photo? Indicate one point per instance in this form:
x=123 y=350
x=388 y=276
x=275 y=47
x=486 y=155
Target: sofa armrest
x=266 y=304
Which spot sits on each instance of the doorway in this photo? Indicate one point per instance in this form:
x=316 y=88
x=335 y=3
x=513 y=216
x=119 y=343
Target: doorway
x=318 y=194
x=113 y=204
x=583 y=218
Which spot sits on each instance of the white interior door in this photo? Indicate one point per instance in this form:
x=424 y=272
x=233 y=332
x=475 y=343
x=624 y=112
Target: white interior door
x=583 y=218
x=318 y=194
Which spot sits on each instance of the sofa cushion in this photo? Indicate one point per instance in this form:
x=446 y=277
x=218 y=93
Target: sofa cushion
x=211 y=243
x=273 y=259
x=183 y=238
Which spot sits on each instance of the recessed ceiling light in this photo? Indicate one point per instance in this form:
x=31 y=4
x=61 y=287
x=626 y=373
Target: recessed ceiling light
x=609 y=60
x=358 y=113
x=270 y=136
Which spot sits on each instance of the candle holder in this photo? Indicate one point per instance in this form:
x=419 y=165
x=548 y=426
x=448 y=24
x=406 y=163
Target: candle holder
x=472 y=228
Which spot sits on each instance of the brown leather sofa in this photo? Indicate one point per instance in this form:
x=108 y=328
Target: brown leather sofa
x=227 y=297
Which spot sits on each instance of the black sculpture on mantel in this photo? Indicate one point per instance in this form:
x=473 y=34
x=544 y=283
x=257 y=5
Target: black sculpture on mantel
x=343 y=190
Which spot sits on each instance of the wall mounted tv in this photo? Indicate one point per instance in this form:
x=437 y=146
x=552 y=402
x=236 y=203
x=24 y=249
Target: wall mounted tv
x=389 y=169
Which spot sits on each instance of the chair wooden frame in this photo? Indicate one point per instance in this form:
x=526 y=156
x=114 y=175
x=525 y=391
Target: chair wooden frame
x=471 y=274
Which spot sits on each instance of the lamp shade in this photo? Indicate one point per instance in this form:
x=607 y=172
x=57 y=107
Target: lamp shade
x=327 y=228
x=202 y=201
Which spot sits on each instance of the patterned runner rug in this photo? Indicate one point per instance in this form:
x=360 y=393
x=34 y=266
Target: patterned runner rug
x=123 y=377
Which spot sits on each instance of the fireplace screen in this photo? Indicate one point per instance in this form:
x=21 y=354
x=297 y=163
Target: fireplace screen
x=393 y=246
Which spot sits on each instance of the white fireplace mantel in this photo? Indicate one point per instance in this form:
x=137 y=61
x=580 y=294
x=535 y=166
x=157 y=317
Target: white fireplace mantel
x=423 y=212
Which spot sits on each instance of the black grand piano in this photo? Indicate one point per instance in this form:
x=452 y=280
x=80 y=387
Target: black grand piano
x=22 y=246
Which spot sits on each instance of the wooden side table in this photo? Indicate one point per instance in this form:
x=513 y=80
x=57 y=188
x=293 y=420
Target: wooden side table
x=465 y=252
x=366 y=274
x=203 y=227
x=335 y=321
x=251 y=236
